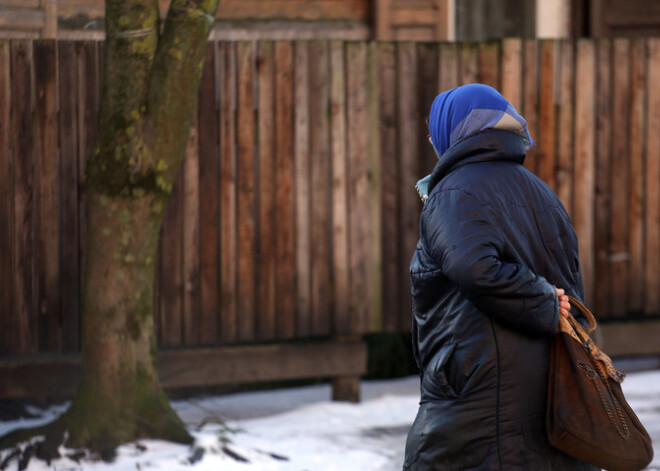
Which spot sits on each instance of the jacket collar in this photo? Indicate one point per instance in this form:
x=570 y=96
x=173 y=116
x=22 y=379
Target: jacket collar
x=487 y=146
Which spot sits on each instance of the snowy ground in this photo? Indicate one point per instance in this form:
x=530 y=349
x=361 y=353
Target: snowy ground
x=301 y=429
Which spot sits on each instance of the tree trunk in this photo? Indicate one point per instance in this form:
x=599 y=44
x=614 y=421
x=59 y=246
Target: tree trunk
x=149 y=97
x=120 y=398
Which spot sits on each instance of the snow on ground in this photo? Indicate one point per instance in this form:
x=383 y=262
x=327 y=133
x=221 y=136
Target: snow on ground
x=301 y=429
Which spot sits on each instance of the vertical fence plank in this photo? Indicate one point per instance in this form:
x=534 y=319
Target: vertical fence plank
x=158 y=269
x=566 y=101
x=530 y=99
x=427 y=73
x=512 y=71
x=208 y=200
x=46 y=201
x=88 y=108
x=6 y=201
x=547 y=118
x=602 y=292
x=266 y=135
x=448 y=66
x=391 y=274
x=156 y=294
x=584 y=160
x=356 y=103
x=284 y=178
x=468 y=71
x=171 y=269
x=340 y=252
x=320 y=192
x=171 y=285
x=489 y=64
x=69 y=215
x=24 y=326
x=409 y=139
x=619 y=243
x=302 y=189
x=228 y=320
x=636 y=183
x=652 y=177
x=246 y=289
x=190 y=239
x=374 y=190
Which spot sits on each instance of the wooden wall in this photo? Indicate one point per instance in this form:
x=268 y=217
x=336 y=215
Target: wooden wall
x=419 y=20
x=295 y=215
x=481 y=20
x=43 y=18
x=631 y=18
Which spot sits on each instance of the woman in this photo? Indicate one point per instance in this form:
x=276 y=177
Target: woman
x=495 y=254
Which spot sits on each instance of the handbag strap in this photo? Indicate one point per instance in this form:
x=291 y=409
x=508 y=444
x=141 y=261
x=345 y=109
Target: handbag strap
x=586 y=313
x=580 y=333
x=604 y=367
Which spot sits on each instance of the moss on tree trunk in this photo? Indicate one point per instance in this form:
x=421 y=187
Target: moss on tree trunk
x=149 y=98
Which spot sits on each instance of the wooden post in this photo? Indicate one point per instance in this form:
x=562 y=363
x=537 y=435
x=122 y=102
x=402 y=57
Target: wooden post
x=50 y=19
x=347 y=388
x=442 y=27
x=383 y=21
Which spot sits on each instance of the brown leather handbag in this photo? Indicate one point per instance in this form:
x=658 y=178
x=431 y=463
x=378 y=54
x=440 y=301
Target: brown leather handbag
x=587 y=415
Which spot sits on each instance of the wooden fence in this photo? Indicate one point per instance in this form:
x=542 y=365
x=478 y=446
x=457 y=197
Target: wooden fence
x=295 y=215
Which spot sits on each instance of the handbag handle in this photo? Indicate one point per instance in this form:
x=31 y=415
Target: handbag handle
x=573 y=328
x=586 y=313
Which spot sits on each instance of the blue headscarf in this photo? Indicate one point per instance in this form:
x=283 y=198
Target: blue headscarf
x=467 y=110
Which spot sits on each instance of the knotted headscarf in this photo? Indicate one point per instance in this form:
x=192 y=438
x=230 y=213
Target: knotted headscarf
x=467 y=110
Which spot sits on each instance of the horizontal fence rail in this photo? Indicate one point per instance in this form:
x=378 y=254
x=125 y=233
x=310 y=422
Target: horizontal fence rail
x=295 y=214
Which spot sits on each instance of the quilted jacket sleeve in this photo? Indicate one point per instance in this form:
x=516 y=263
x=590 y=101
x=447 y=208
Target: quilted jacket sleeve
x=461 y=236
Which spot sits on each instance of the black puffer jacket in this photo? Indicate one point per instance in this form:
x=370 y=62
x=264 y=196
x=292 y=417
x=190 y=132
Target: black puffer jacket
x=494 y=241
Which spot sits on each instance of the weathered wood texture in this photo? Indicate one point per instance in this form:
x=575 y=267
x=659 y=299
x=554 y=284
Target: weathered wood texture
x=41 y=17
x=631 y=18
x=479 y=20
x=295 y=214
x=60 y=374
x=421 y=20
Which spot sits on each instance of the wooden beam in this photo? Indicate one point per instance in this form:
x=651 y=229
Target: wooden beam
x=295 y=9
x=416 y=17
x=20 y=3
x=60 y=375
x=619 y=339
x=22 y=19
x=28 y=376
